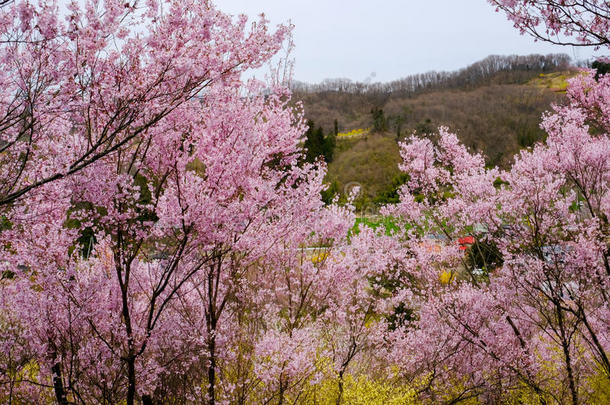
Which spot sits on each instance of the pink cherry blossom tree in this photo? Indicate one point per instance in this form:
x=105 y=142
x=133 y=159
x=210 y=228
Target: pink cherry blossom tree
x=534 y=312
x=88 y=79
x=194 y=212
x=556 y=21
x=127 y=185
x=525 y=304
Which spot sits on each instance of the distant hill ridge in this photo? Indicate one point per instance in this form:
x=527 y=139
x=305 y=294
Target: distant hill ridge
x=494 y=69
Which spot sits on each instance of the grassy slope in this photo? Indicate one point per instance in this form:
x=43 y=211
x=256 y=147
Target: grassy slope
x=371 y=160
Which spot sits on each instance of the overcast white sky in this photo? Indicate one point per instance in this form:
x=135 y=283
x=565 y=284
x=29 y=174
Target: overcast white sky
x=392 y=38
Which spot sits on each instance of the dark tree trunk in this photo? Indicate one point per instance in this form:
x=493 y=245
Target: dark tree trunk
x=212 y=371
x=58 y=385
x=573 y=391
x=565 y=344
x=340 y=396
x=131 y=381
x=282 y=389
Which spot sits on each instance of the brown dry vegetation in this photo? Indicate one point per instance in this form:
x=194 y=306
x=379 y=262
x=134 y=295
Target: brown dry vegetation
x=496 y=120
x=493 y=118
x=494 y=105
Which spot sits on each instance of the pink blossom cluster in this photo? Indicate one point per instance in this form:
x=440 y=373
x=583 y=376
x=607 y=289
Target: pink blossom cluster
x=162 y=239
x=529 y=303
x=588 y=21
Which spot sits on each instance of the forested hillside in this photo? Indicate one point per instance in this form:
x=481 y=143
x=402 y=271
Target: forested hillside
x=494 y=106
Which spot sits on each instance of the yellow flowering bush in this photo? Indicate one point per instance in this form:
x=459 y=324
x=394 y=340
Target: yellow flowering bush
x=354 y=132
x=360 y=390
x=446 y=277
x=319 y=258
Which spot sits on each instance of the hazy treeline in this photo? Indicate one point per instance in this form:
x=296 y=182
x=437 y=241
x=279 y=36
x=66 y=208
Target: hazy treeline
x=507 y=69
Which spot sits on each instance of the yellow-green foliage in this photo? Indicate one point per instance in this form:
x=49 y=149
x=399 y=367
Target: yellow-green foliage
x=446 y=277
x=600 y=389
x=371 y=161
x=360 y=390
x=557 y=81
x=597 y=394
x=354 y=132
x=28 y=372
x=319 y=257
